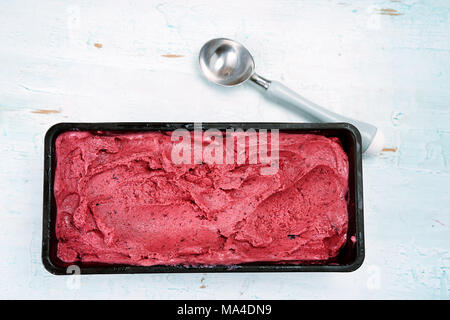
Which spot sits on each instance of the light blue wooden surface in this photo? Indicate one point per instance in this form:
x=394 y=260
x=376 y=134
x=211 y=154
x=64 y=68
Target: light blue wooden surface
x=386 y=62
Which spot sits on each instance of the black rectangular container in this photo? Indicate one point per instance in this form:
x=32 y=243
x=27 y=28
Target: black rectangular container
x=349 y=259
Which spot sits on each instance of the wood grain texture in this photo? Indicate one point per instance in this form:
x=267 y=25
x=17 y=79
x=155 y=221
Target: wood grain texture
x=386 y=62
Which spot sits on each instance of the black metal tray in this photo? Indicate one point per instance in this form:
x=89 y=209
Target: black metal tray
x=350 y=257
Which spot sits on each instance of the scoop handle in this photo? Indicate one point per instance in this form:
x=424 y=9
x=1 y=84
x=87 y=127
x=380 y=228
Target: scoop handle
x=372 y=138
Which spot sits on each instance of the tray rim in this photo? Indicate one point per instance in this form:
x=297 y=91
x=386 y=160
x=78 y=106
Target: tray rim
x=48 y=197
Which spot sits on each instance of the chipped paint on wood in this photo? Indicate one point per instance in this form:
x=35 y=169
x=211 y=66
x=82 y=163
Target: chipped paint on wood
x=203 y=286
x=171 y=55
x=44 y=111
x=389 y=12
x=389 y=150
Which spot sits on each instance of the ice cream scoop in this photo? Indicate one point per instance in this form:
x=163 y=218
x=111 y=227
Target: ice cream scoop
x=228 y=63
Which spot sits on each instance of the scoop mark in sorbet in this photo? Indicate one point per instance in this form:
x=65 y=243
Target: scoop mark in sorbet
x=231 y=146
